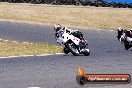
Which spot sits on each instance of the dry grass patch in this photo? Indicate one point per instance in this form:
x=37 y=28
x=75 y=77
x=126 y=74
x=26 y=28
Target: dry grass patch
x=14 y=49
x=74 y=16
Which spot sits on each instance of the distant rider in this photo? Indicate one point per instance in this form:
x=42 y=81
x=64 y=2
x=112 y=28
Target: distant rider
x=120 y=32
x=124 y=34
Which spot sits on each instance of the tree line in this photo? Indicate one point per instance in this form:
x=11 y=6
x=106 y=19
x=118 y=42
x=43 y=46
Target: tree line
x=97 y=3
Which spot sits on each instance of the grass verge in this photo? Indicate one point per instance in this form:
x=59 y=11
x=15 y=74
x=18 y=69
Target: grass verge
x=9 y=48
x=73 y=16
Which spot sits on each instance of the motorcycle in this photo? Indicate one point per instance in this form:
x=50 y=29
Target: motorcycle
x=127 y=41
x=72 y=44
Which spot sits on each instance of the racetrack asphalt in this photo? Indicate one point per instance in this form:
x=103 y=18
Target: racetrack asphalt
x=59 y=71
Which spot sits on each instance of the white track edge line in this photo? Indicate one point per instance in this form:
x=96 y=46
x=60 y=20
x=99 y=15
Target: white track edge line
x=32 y=55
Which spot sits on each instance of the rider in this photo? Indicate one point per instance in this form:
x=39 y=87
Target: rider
x=120 y=32
x=124 y=34
x=75 y=33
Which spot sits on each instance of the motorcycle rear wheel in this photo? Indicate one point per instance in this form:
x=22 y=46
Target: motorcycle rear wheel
x=86 y=53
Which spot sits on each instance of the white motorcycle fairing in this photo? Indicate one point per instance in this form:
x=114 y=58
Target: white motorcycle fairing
x=71 y=44
x=129 y=39
x=64 y=37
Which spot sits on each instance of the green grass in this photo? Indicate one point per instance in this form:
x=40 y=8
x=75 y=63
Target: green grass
x=18 y=48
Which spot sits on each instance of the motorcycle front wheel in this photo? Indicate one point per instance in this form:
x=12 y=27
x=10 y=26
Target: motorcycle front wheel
x=126 y=44
x=65 y=50
x=73 y=49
